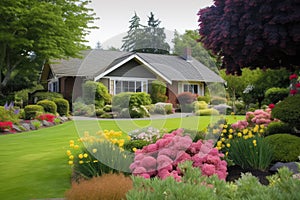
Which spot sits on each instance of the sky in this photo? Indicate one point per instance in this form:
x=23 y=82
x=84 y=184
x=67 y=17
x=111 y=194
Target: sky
x=115 y=15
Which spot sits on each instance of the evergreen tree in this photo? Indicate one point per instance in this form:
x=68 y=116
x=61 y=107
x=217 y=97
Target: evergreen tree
x=133 y=34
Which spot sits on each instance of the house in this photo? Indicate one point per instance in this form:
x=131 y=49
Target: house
x=128 y=72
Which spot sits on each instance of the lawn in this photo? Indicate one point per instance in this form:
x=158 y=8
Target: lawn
x=34 y=164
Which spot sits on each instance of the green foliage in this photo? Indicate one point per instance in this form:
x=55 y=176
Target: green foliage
x=186 y=98
x=31 y=111
x=286 y=147
x=158 y=91
x=36 y=124
x=275 y=94
x=99 y=112
x=278 y=127
x=95 y=93
x=163 y=108
x=63 y=106
x=252 y=153
x=49 y=106
x=8 y=115
x=194 y=187
x=138 y=144
x=288 y=111
x=81 y=109
x=107 y=108
x=195 y=134
x=218 y=100
x=47 y=95
x=189 y=39
x=207 y=112
x=107 y=115
x=33 y=39
x=204 y=98
x=200 y=105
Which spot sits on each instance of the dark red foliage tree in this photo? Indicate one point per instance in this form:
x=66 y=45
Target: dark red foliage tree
x=252 y=33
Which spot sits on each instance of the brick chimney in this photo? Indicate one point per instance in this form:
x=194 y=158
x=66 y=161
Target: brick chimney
x=187 y=54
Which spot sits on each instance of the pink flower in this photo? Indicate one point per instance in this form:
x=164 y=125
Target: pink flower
x=208 y=169
x=149 y=163
x=163 y=161
x=151 y=148
x=293 y=76
x=163 y=174
x=297 y=85
x=139 y=170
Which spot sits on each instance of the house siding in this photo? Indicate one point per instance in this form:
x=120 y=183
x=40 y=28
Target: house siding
x=172 y=91
x=66 y=87
x=132 y=69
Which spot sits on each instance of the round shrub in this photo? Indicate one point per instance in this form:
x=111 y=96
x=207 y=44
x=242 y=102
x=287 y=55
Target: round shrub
x=218 y=100
x=207 y=112
x=278 y=127
x=200 y=105
x=9 y=114
x=288 y=111
x=286 y=147
x=95 y=93
x=274 y=95
x=186 y=98
x=49 y=106
x=158 y=91
x=63 y=107
x=32 y=110
x=204 y=98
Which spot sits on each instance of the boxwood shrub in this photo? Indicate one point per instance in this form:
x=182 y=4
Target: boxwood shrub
x=274 y=95
x=47 y=95
x=138 y=144
x=32 y=110
x=278 y=127
x=286 y=147
x=288 y=111
x=49 y=106
x=63 y=107
x=207 y=112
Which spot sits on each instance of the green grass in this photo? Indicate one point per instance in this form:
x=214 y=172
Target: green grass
x=34 y=164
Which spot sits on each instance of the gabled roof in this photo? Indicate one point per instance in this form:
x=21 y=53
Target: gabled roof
x=98 y=63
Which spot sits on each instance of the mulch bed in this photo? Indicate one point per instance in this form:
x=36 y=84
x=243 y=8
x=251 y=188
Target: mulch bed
x=234 y=173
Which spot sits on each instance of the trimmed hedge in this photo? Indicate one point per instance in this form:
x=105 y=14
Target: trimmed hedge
x=274 y=95
x=158 y=91
x=32 y=110
x=200 y=105
x=204 y=98
x=47 y=95
x=288 y=111
x=218 y=100
x=286 y=147
x=95 y=93
x=139 y=144
x=48 y=105
x=278 y=127
x=207 y=112
x=63 y=106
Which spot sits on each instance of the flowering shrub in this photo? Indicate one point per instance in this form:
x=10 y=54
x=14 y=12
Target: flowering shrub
x=9 y=113
x=98 y=154
x=149 y=134
x=295 y=84
x=6 y=126
x=48 y=117
x=161 y=159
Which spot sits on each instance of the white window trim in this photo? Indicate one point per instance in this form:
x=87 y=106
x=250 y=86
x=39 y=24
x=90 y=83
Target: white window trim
x=145 y=82
x=200 y=87
x=50 y=84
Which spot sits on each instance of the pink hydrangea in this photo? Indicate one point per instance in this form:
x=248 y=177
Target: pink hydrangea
x=173 y=149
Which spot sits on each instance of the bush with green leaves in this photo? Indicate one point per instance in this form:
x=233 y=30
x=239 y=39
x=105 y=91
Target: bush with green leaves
x=63 y=106
x=207 y=112
x=251 y=153
x=95 y=93
x=9 y=113
x=218 y=100
x=48 y=105
x=194 y=186
x=81 y=109
x=288 y=111
x=278 y=127
x=158 y=91
x=286 y=147
x=186 y=98
x=47 y=95
x=31 y=111
x=107 y=108
x=204 y=98
x=163 y=108
x=275 y=94
x=131 y=145
x=200 y=105
x=99 y=112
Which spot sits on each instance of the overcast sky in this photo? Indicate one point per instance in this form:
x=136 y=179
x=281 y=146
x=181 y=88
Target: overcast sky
x=115 y=15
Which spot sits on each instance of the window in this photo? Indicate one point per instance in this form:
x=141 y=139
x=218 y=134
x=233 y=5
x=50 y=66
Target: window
x=53 y=85
x=130 y=86
x=193 y=88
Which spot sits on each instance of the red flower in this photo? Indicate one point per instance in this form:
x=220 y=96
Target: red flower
x=271 y=106
x=293 y=76
x=6 y=125
x=297 y=85
x=292 y=92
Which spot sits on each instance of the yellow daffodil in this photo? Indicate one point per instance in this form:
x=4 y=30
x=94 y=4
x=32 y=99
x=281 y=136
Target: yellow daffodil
x=245 y=131
x=95 y=161
x=85 y=155
x=69 y=153
x=219 y=148
x=224 y=131
x=230 y=130
x=72 y=145
x=226 y=154
x=219 y=143
x=228 y=145
x=225 y=126
x=246 y=137
x=76 y=146
x=81 y=162
x=239 y=134
x=230 y=136
x=70 y=162
x=94 y=150
x=254 y=143
x=71 y=157
x=222 y=139
x=262 y=126
x=80 y=156
x=134 y=149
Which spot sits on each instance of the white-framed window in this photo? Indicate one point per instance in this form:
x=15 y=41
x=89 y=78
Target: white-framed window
x=129 y=85
x=53 y=85
x=195 y=88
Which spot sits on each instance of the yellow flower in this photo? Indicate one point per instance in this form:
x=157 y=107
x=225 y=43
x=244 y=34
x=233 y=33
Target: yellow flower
x=128 y=137
x=80 y=161
x=80 y=156
x=76 y=146
x=254 y=143
x=72 y=145
x=261 y=131
x=230 y=136
x=230 y=130
x=219 y=148
x=262 y=126
x=226 y=154
x=245 y=131
x=222 y=139
x=219 y=143
x=239 y=134
x=70 y=162
x=221 y=125
x=95 y=161
x=225 y=126
x=228 y=145
x=246 y=137
x=224 y=131
x=255 y=129
x=215 y=131
x=232 y=113
x=71 y=141
x=85 y=155
x=71 y=157
x=94 y=150
x=134 y=149
x=69 y=152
